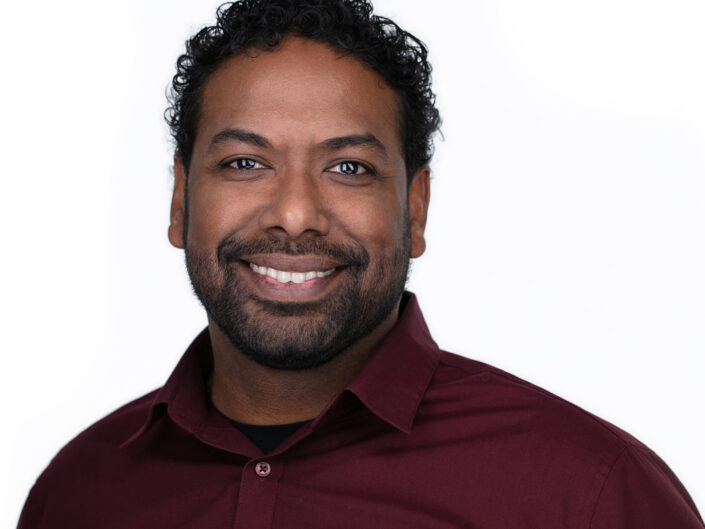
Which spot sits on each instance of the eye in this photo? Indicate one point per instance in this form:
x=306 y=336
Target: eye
x=245 y=164
x=349 y=167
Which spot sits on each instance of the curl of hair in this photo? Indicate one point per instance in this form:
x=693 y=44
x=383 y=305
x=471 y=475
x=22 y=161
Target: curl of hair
x=349 y=26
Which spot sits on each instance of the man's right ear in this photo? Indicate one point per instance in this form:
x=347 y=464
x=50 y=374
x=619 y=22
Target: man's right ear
x=178 y=203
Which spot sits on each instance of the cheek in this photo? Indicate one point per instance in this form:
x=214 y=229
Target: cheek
x=214 y=212
x=376 y=222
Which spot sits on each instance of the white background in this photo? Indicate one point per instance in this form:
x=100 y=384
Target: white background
x=566 y=241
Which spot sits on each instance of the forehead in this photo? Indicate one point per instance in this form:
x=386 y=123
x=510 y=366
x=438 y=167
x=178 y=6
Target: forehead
x=302 y=89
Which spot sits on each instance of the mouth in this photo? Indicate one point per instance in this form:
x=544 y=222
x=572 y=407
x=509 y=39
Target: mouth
x=290 y=276
x=287 y=278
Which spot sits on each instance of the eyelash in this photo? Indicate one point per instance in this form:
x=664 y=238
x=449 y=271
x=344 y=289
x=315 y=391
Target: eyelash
x=233 y=164
x=366 y=169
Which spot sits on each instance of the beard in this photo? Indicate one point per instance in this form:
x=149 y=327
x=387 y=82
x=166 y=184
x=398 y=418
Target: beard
x=298 y=335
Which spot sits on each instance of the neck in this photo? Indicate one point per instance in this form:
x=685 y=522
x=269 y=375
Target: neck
x=248 y=392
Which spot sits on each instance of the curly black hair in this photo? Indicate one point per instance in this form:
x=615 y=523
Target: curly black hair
x=349 y=26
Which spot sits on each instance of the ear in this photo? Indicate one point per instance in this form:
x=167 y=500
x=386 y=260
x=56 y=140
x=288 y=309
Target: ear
x=178 y=204
x=419 y=196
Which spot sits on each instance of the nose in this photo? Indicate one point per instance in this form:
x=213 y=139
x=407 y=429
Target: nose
x=296 y=207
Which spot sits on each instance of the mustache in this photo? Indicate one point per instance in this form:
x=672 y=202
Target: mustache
x=233 y=249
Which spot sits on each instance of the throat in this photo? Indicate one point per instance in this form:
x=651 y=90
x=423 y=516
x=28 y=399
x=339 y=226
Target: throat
x=251 y=393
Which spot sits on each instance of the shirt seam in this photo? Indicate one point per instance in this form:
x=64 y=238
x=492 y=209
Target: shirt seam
x=604 y=484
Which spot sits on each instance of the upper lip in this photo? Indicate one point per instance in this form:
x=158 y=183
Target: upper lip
x=293 y=263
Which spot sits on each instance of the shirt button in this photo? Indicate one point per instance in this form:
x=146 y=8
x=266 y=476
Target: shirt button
x=263 y=469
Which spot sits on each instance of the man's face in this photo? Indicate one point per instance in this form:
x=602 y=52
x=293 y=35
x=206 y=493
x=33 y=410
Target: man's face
x=297 y=226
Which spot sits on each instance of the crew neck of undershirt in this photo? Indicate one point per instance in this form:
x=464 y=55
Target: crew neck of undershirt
x=269 y=436
x=266 y=437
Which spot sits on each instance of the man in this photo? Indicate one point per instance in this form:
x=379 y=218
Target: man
x=316 y=396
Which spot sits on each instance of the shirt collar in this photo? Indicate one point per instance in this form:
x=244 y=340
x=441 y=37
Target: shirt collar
x=184 y=396
x=394 y=379
x=391 y=384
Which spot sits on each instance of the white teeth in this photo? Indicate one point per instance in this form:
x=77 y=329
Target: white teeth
x=283 y=276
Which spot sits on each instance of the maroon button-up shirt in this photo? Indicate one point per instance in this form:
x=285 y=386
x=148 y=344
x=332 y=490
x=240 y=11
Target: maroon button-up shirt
x=419 y=438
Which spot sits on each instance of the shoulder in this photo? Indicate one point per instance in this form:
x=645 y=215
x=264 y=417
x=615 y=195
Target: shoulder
x=108 y=433
x=528 y=429
x=509 y=397
x=92 y=455
x=533 y=435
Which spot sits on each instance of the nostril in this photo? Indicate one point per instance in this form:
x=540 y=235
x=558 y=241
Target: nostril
x=278 y=231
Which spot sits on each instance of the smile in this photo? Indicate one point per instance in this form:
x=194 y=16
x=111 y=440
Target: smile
x=284 y=276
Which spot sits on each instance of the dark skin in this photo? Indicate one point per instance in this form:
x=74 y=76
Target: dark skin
x=300 y=113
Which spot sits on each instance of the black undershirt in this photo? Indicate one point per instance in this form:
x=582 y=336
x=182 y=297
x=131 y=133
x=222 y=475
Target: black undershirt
x=267 y=437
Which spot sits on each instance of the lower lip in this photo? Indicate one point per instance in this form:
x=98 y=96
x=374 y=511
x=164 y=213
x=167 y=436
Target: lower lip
x=307 y=291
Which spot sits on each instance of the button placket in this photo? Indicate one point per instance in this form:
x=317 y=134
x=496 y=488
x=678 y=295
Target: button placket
x=258 y=493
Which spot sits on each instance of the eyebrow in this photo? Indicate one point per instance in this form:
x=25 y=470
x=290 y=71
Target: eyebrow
x=355 y=140
x=241 y=135
x=333 y=144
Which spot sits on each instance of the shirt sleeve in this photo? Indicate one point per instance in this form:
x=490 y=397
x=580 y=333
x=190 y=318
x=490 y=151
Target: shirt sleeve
x=642 y=492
